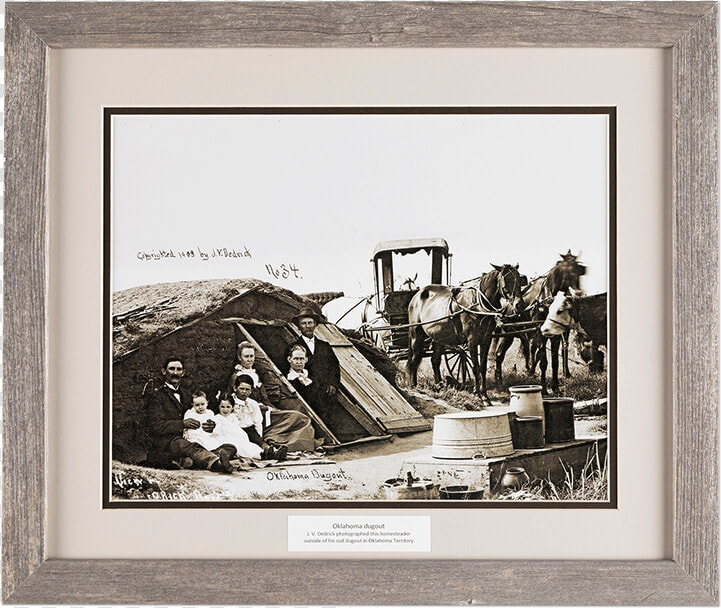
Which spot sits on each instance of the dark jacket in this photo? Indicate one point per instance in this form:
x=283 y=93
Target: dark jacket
x=165 y=416
x=323 y=367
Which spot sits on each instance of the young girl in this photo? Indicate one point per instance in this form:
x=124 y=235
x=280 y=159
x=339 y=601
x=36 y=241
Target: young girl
x=228 y=430
x=251 y=419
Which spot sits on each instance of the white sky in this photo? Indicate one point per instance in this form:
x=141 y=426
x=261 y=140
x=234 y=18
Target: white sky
x=320 y=191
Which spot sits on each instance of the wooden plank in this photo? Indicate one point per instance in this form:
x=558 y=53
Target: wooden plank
x=405 y=424
x=359 y=414
x=356 y=442
x=376 y=385
x=332 y=334
x=261 y=322
x=307 y=409
x=360 y=394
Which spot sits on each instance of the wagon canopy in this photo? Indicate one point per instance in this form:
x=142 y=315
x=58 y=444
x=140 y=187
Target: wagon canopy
x=408 y=246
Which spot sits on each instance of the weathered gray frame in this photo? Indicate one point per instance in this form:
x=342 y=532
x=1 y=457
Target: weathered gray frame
x=689 y=28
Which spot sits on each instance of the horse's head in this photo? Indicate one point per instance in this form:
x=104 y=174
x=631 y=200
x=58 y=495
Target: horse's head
x=566 y=274
x=509 y=284
x=559 y=317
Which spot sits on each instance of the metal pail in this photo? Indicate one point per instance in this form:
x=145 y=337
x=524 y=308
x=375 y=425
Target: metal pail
x=467 y=434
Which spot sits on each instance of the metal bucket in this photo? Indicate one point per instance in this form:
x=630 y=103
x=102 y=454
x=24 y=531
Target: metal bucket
x=527 y=432
x=459 y=493
x=559 y=419
x=410 y=489
x=468 y=434
x=526 y=401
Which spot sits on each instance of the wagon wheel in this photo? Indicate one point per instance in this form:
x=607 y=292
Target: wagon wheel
x=459 y=366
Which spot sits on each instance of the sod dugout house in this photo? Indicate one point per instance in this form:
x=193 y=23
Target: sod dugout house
x=202 y=322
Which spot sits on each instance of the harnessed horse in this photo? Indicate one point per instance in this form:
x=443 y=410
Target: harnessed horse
x=463 y=315
x=587 y=315
x=565 y=277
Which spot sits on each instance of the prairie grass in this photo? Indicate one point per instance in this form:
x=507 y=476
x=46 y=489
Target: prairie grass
x=581 y=385
x=591 y=484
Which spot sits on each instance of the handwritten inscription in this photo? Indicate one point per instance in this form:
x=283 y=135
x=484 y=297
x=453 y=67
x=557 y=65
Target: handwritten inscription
x=196 y=253
x=284 y=271
x=337 y=475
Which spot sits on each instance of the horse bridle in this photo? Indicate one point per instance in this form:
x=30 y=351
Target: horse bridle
x=502 y=287
x=566 y=327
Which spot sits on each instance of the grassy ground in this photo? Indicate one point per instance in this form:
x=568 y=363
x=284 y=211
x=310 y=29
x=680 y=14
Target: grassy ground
x=590 y=485
x=582 y=385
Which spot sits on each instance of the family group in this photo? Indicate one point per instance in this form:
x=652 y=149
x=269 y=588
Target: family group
x=256 y=416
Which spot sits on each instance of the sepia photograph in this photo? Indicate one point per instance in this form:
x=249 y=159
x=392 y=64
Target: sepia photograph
x=360 y=306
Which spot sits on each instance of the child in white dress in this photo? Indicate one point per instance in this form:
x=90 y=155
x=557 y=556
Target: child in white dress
x=201 y=413
x=228 y=430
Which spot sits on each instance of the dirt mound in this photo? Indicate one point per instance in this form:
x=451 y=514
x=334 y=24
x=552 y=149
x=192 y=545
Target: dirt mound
x=141 y=314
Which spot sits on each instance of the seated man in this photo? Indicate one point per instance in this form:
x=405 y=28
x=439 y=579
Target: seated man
x=338 y=420
x=166 y=409
x=322 y=365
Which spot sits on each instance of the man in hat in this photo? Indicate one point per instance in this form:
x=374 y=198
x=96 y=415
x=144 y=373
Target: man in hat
x=323 y=371
x=323 y=367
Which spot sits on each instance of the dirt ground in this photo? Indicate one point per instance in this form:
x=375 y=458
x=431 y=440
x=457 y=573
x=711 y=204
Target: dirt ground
x=355 y=473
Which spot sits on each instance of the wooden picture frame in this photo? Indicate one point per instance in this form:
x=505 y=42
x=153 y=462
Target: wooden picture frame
x=690 y=577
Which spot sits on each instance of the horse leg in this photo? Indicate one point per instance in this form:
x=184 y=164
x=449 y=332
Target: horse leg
x=415 y=352
x=473 y=354
x=555 y=343
x=502 y=346
x=436 y=361
x=482 y=364
x=596 y=366
x=543 y=364
x=565 y=337
x=535 y=344
x=526 y=350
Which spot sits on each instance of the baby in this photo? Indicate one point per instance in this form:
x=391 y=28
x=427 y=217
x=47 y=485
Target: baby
x=201 y=413
x=228 y=430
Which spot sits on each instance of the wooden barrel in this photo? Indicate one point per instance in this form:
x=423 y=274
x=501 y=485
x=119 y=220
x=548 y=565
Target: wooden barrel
x=527 y=432
x=559 y=419
x=468 y=434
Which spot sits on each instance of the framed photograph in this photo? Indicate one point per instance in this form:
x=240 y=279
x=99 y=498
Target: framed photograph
x=200 y=321
x=344 y=178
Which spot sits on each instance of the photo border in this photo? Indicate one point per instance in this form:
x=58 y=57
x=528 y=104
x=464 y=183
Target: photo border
x=690 y=577
x=611 y=184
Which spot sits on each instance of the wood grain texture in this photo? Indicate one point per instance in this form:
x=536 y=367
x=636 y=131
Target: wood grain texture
x=362 y=582
x=25 y=276
x=696 y=301
x=689 y=27
x=361 y=24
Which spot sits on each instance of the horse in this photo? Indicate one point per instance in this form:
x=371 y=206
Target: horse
x=360 y=314
x=462 y=315
x=586 y=315
x=564 y=276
